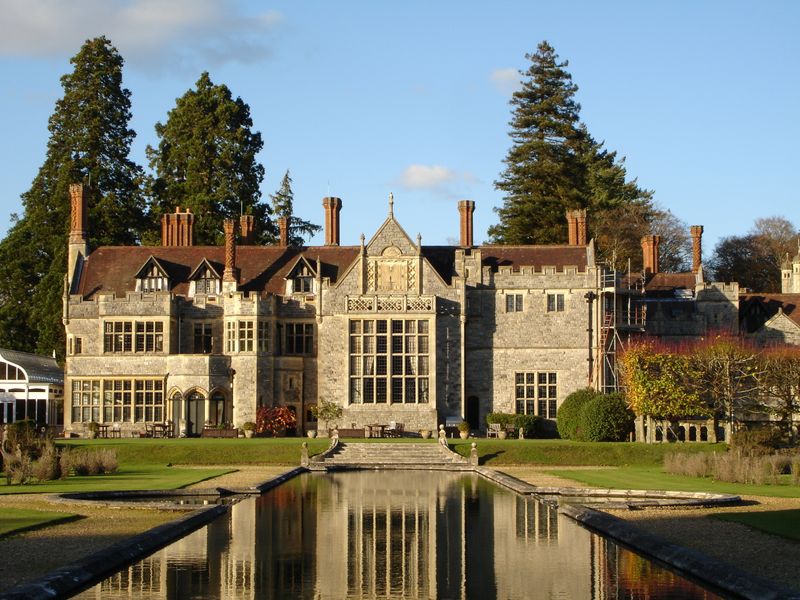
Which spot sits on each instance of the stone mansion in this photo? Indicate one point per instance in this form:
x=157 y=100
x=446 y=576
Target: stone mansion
x=390 y=329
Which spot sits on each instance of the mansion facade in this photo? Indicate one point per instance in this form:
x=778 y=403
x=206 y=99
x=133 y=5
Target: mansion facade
x=389 y=329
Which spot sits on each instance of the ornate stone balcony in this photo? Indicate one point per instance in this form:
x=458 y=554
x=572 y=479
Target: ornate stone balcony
x=391 y=304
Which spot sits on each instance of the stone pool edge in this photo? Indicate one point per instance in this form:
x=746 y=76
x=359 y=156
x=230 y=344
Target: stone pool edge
x=82 y=574
x=693 y=564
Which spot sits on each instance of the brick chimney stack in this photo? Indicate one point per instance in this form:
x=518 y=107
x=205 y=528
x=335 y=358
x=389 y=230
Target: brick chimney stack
x=576 y=227
x=77 y=229
x=466 y=208
x=229 y=274
x=696 y=232
x=332 y=208
x=283 y=229
x=177 y=228
x=247 y=231
x=650 y=245
x=77 y=246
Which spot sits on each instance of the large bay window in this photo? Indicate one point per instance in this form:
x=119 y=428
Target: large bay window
x=118 y=400
x=536 y=393
x=389 y=361
x=133 y=336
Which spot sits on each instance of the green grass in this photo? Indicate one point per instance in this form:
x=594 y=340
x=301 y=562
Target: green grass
x=785 y=523
x=16 y=520
x=653 y=478
x=197 y=451
x=495 y=453
x=129 y=477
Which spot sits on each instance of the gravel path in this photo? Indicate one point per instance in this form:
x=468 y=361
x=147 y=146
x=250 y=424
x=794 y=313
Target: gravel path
x=768 y=556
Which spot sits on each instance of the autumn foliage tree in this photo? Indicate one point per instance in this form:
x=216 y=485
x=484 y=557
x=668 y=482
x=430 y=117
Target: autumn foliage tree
x=780 y=384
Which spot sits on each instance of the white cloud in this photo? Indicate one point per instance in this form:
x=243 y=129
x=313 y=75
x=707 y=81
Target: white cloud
x=507 y=81
x=424 y=176
x=434 y=178
x=150 y=34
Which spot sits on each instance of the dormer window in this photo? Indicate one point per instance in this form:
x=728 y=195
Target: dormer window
x=205 y=279
x=300 y=279
x=207 y=283
x=152 y=277
x=154 y=281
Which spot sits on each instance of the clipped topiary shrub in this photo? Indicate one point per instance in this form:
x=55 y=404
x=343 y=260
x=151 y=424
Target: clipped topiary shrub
x=569 y=413
x=605 y=418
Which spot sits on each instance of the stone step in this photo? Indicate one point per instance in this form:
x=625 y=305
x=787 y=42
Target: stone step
x=388 y=454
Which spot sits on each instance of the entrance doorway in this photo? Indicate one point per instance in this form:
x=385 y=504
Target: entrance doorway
x=473 y=412
x=195 y=413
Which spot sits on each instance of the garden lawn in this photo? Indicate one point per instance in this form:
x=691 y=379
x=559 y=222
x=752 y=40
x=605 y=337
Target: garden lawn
x=202 y=451
x=128 y=477
x=785 y=523
x=493 y=453
x=16 y=520
x=653 y=478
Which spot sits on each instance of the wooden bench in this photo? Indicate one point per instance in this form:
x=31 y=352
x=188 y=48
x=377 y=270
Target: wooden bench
x=219 y=432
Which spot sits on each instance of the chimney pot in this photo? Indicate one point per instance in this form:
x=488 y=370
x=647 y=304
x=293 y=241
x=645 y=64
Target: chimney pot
x=466 y=208
x=650 y=245
x=332 y=208
x=696 y=232
x=283 y=228
x=229 y=275
x=177 y=228
x=247 y=229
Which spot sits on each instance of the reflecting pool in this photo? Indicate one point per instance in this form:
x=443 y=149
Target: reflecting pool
x=394 y=534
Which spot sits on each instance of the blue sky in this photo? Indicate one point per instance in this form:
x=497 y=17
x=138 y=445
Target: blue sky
x=359 y=99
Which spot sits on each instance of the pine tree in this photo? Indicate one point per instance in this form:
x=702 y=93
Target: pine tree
x=283 y=206
x=206 y=161
x=545 y=171
x=89 y=142
x=554 y=164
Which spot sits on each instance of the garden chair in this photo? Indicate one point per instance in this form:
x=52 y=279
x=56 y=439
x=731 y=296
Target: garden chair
x=493 y=431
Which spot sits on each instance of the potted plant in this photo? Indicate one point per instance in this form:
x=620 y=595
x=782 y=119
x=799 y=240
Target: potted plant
x=92 y=427
x=249 y=429
x=326 y=412
x=425 y=433
x=312 y=433
x=463 y=430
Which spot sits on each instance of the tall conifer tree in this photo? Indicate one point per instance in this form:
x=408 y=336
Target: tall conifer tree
x=554 y=164
x=206 y=161
x=544 y=173
x=283 y=206
x=89 y=142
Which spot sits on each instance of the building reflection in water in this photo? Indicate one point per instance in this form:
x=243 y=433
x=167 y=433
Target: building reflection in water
x=396 y=534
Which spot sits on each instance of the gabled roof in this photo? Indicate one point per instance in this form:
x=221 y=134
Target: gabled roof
x=756 y=309
x=112 y=269
x=294 y=270
x=40 y=369
x=216 y=268
x=558 y=256
x=152 y=260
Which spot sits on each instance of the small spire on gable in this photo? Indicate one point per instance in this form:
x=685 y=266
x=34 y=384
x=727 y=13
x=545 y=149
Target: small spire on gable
x=391 y=204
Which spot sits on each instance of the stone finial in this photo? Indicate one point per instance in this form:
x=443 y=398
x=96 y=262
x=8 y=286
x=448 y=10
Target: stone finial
x=391 y=204
x=473 y=455
x=304 y=460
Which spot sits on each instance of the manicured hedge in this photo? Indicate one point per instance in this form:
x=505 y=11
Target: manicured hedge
x=569 y=413
x=605 y=418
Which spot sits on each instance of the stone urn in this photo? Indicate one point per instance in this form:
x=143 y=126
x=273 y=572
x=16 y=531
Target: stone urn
x=312 y=433
x=502 y=434
x=463 y=434
x=424 y=433
x=248 y=433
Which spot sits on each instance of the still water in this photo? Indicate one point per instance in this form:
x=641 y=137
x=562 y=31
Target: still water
x=396 y=534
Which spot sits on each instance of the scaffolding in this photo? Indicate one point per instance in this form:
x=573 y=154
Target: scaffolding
x=621 y=317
